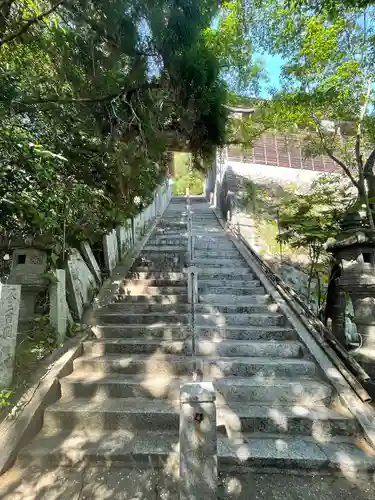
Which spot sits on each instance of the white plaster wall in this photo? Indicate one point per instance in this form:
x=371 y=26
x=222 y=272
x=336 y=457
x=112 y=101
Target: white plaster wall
x=267 y=173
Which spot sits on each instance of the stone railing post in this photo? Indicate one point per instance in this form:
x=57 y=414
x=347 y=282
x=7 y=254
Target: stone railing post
x=198 y=442
x=190 y=231
x=58 y=307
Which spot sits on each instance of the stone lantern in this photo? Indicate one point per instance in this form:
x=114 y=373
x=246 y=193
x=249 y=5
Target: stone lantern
x=28 y=267
x=356 y=257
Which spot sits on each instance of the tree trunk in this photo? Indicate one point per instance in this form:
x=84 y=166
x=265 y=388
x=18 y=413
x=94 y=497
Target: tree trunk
x=332 y=293
x=318 y=284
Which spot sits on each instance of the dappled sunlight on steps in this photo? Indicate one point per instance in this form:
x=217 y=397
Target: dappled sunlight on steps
x=120 y=405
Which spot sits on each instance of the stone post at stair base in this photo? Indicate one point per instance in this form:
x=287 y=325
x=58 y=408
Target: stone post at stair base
x=198 y=442
x=193 y=290
x=10 y=297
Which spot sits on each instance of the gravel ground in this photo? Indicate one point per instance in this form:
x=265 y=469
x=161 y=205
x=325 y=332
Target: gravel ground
x=101 y=483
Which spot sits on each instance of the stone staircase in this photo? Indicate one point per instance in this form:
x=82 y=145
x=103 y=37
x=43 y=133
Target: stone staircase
x=120 y=405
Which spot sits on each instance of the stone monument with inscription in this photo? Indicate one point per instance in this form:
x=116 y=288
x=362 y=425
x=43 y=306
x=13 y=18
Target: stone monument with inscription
x=111 y=253
x=9 y=311
x=81 y=284
x=124 y=239
x=91 y=261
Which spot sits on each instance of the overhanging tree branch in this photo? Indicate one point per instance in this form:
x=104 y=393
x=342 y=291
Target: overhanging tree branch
x=338 y=161
x=15 y=34
x=125 y=92
x=104 y=33
x=70 y=100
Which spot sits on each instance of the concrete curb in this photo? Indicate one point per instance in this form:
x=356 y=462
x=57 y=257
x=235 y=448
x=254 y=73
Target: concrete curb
x=19 y=428
x=364 y=414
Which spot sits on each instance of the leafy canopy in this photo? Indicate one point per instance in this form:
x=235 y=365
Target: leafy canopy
x=92 y=95
x=327 y=89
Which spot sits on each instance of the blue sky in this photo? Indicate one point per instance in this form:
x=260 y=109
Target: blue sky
x=272 y=65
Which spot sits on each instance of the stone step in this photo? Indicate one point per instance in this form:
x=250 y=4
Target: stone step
x=230 y=348
x=211 y=291
x=152 y=269
x=229 y=263
x=245 y=274
x=240 y=300
x=122 y=307
x=168 y=231
x=157 y=242
x=160 y=449
x=164 y=224
x=198 y=234
x=208 y=230
x=211 y=254
x=152 y=282
x=219 y=274
x=307 y=392
x=210 y=284
x=332 y=454
x=204 y=236
x=154 y=259
x=157 y=275
x=269 y=348
x=142 y=318
x=154 y=299
x=158 y=250
x=241 y=319
x=135 y=346
x=213 y=246
x=134 y=414
x=173 y=216
x=211 y=318
x=166 y=331
x=254 y=333
x=173 y=364
x=234 y=308
x=141 y=290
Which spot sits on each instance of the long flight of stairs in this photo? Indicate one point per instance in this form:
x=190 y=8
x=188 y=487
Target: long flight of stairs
x=121 y=402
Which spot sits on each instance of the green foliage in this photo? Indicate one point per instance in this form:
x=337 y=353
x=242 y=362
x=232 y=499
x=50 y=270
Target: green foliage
x=327 y=89
x=40 y=341
x=307 y=221
x=92 y=95
x=5 y=397
x=186 y=177
x=310 y=220
x=194 y=184
x=262 y=202
x=334 y=7
x=73 y=330
x=37 y=343
x=229 y=39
